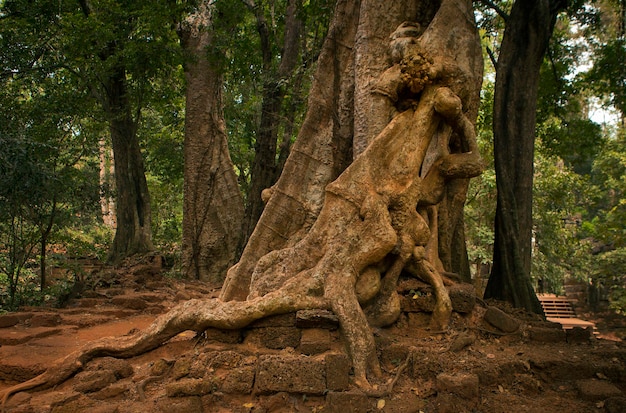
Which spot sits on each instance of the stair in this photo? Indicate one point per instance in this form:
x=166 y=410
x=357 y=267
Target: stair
x=559 y=310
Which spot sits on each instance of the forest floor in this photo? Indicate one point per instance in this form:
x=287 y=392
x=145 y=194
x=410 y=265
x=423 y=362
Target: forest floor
x=279 y=365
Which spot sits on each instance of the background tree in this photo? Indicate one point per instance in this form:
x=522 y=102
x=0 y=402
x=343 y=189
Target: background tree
x=213 y=206
x=528 y=31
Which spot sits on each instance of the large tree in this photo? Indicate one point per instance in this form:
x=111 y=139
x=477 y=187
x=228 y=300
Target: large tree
x=527 y=33
x=337 y=232
x=213 y=206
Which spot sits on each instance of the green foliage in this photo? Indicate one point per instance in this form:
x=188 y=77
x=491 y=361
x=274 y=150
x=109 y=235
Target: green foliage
x=609 y=174
x=248 y=68
x=610 y=271
x=481 y=197
x=560 y=195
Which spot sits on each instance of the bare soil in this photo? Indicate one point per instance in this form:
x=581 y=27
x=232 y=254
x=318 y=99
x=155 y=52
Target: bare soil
x=274 y=365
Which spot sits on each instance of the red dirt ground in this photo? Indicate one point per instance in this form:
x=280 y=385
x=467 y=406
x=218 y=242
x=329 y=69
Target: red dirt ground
x=470 y=368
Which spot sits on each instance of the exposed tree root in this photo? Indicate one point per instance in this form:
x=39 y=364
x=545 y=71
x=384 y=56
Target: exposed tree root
x=196 y=315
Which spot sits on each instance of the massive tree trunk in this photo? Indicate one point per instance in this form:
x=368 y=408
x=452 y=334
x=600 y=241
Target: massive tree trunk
x=213 y=205
x=133 y=233
x=527 y=33
x=336 y=237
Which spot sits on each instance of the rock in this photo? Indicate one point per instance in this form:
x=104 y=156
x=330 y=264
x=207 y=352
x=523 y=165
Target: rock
x=596 y=390
x=464 y=385
x=615 y=405
x=120 y=368
x=501 y=320
x=546 y=335
x=314 y=341
x=182 y=367
x=110 y=392
x=160 y=367
x=343 y=402
x=129 y=302
x=461 y=341
x=279 y=403
x=8 y=320
x=293 y=374
x=92 y=381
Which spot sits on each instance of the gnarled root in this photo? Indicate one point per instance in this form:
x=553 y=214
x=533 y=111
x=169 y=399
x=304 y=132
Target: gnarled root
x=443 y=305
x=196 y=315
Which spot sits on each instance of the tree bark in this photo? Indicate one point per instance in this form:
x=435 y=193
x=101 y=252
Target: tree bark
x=321 y=152
x=213 y=205
x=133 y=233
x=527 y=33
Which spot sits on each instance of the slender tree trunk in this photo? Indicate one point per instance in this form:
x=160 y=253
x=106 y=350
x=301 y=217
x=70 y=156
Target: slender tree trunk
x=107 y=171
x=527 y=33
x=213 y=206
x=265 y=169
x=133 y=234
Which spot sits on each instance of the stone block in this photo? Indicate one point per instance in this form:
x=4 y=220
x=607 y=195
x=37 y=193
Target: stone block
x=276 y=338
x=180 y=405
x=238 y=380
x=292 y=374
x=344 y=402
x=314 y=341
x=213 y=335
x=463 y=297
x=45 y=320
x=338 y=367
x=190 y=387
x=317 y=319
x=501 y=320
x=578 y=335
